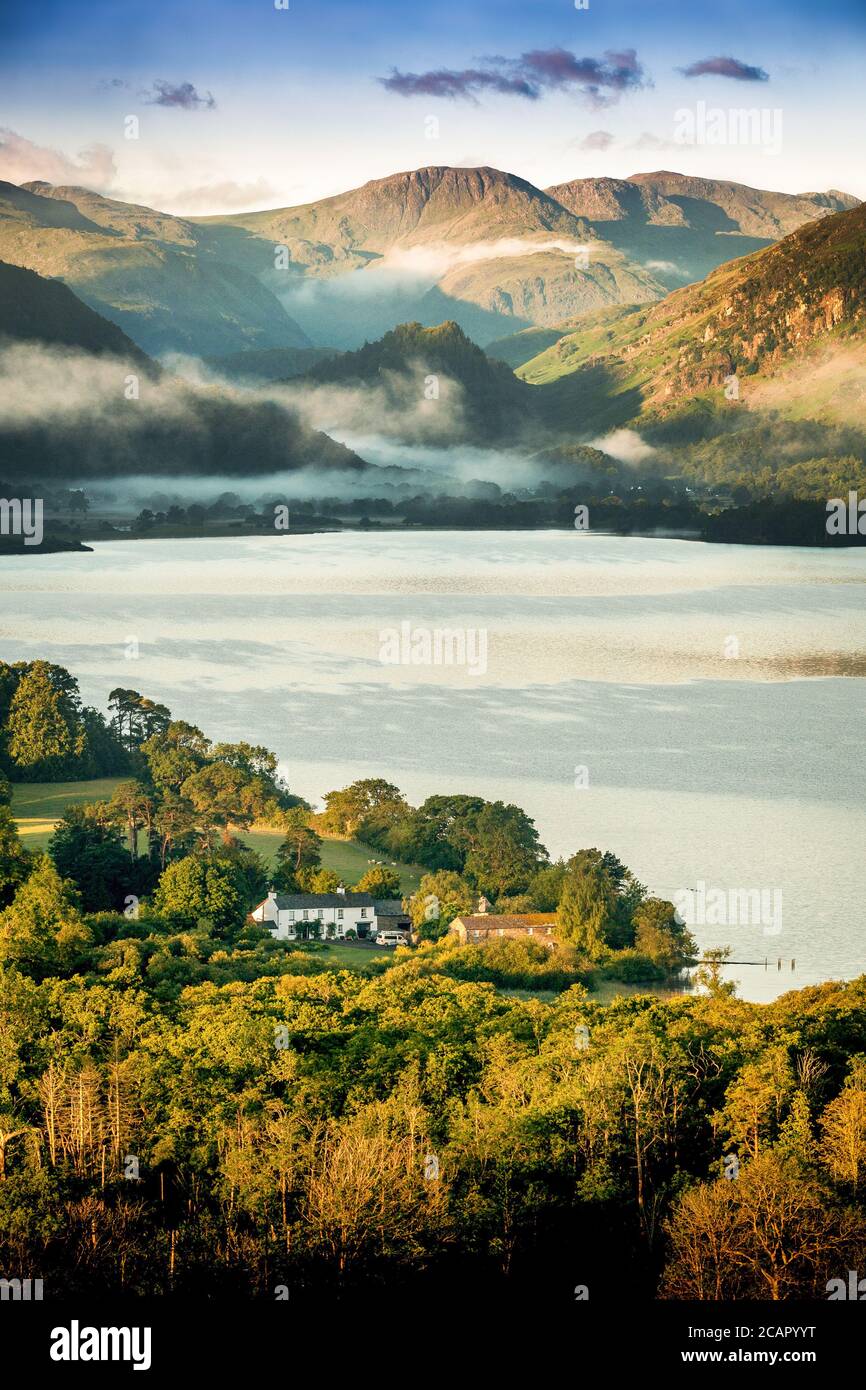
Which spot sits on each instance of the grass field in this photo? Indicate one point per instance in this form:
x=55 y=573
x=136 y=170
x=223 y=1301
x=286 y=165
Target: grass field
x=37 y=806
x=348 y=858
x=358 y=958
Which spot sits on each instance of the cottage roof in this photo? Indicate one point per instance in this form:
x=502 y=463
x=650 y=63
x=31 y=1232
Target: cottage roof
x=492 y=921
x=289 y=901
x=390 y=907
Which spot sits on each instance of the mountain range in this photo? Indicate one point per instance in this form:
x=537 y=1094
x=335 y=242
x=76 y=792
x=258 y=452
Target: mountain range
x=754 y=374
x=481 y=247
x=146 y=271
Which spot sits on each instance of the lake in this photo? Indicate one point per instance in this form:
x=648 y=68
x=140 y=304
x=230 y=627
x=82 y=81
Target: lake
x=697 y=709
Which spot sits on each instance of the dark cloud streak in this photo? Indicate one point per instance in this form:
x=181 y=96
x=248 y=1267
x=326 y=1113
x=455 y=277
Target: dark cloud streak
x=181 y=94
x=601 y=81
x=725 y=67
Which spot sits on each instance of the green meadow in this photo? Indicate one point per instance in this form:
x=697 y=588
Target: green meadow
x=37 y=806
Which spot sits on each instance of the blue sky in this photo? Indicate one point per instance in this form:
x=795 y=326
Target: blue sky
x=243 y=105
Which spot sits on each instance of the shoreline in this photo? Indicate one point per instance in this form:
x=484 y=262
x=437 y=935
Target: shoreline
x=85 y=544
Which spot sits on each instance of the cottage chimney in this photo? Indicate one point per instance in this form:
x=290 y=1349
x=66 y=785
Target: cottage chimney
x=341 y=889
x=272 y=896
x=483 y=905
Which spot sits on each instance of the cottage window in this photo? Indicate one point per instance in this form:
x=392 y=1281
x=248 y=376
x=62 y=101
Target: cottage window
x=363 y=912
x=339 y=914
x=306 y=914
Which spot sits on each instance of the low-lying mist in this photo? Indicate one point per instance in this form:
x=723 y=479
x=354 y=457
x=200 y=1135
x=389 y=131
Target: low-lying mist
x=185 y=435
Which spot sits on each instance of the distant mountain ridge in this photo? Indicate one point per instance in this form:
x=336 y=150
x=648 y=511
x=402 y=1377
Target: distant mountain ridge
x=684 y=226
x=146 y=271
x=663 y=198
x=479 y=246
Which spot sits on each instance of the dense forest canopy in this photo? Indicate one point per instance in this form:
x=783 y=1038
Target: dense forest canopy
x=186 y=1102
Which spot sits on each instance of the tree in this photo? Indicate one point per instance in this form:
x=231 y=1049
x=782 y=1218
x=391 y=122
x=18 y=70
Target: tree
x=219 y=795
x=756 y=1099
x=438 y=832
x=319 y=880
x=247 y=868
x=201 y=892
x=545 y=887
x=505 y=850
x=44 y=731
x=132 y=806
x=660 y=935
x=380 y=882
x=42 y=932
x=843 y=1128
x=175 y=754
x=439 y=899
x=768 y=1235
x=15 y=860
x=346 y=809
x=174 y=824
x=252 y=759
x=135 y=718
x=87 y=850
x=588 y=903
x=300 y=849
x=709 y=973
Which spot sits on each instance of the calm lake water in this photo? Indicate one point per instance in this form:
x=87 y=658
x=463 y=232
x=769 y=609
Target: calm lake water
x=713 y=696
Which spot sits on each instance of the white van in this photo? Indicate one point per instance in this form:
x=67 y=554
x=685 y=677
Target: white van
x=391 y=938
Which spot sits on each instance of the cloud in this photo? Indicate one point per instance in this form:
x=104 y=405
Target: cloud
x=624 y=445
x=226 y=194
x=183 y=95
x=436 y=258
x=596 y=140
x=648 y=141
x=443 y=82
x=600 y=81
x=22 y=161
x=725 y=67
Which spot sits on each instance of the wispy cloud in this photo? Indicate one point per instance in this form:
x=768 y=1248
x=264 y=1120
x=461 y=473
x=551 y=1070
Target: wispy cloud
x=725 y=67
x=180 y=94
x=601 y=81
x=21 y=161
x=228 y=193
x=596 y=140
x=648 y=141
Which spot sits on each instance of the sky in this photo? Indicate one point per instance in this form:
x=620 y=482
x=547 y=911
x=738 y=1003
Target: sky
x=209 y=106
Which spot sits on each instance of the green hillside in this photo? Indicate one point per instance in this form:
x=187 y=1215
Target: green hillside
x=37 y=807
x=35 y=309
x=151 y=274
x=492 y=403
x=775 y=314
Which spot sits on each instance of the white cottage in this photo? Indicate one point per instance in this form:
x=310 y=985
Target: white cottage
x=297 y=916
